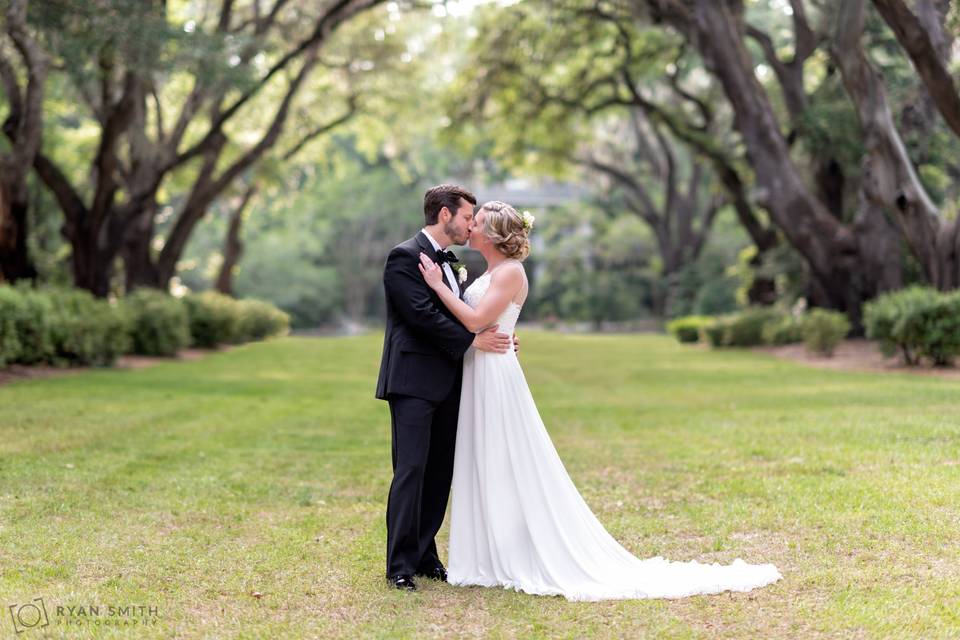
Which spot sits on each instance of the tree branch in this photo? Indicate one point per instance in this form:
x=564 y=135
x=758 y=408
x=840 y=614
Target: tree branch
x=930 y=65
x=322 y=129
x=332 y=18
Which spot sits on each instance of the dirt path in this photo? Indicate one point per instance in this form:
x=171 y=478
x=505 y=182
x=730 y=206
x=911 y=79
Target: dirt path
x=856 y=355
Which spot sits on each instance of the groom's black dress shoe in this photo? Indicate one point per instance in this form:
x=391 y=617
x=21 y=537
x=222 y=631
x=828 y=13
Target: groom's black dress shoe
x=434 y=573
x=402 y=582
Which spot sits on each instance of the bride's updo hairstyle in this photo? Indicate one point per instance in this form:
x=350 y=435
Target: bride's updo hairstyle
x=506 y=229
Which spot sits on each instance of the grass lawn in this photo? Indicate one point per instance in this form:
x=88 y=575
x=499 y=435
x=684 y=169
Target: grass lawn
x=191 y=486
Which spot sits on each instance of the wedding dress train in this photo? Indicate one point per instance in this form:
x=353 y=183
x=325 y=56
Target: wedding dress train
x=519 y=522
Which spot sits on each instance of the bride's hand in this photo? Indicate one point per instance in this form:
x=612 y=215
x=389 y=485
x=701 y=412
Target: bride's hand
x=431 y=271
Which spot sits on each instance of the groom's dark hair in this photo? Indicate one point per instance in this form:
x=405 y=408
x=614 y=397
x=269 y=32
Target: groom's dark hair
x=444 y=195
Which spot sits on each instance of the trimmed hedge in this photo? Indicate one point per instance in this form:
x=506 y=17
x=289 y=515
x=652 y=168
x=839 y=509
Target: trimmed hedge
x=919 y=322
x=35 y=327
x=260 y=320
x=823 y=330
x=786 y=330
x=715 y=331
x=933 y=330
x=219 y=319
x=885 y=317
x=214 y=319
x=11 y=310
x=160 y=325
x=745 y=329
x=688 y=328
x=65 y=326
x=87 y=330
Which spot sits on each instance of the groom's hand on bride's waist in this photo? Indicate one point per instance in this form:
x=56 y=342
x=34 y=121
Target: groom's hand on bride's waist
x=490 y=340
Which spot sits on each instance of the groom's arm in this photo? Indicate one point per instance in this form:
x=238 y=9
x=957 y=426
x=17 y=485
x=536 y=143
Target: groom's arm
x=410 y=296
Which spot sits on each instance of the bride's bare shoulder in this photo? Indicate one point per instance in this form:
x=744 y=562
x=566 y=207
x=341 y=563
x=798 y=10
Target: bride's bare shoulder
x=509 y=272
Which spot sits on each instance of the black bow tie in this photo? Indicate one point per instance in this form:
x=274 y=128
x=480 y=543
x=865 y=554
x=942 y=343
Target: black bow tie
x=446 y=256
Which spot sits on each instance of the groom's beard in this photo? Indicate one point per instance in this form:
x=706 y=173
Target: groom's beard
x=456 y=236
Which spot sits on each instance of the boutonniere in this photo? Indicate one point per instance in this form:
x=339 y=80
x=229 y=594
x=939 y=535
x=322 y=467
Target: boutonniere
x=461 y=274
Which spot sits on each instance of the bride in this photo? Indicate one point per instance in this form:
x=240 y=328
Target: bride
x=517 y=519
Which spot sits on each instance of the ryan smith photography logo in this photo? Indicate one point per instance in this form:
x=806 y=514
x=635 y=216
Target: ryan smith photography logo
x=33 y=614
x=29 y=615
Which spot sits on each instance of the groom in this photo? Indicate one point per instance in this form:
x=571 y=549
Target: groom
x=420 y=377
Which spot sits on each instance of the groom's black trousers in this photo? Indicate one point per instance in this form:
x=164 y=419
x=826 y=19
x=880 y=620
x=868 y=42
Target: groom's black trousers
x=424 y=434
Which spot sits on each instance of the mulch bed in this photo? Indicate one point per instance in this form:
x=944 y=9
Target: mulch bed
x=857 y=355
x=15 y=372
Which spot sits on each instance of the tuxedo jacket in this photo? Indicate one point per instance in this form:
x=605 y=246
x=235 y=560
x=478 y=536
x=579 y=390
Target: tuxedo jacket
x=424 y=343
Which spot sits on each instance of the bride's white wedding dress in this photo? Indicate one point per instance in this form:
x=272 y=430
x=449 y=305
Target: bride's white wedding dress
x=519 y=522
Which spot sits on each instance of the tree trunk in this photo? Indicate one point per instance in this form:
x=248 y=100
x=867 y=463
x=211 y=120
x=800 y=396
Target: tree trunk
x=138 y=264
x=232 y=245
x=24 y=128
x=99 y=229
x=925 y=41
x=890 y=182
x=843 y=268
x=15 y=263
x=90 y=270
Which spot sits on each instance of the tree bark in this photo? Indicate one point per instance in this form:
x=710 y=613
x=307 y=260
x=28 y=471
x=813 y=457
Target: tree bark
x=24 y=127
x=232 y=245
x=890 y=182
x=927 y=50
x=846 y=270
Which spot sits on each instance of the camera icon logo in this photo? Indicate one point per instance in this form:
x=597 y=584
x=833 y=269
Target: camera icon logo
x=29 y=615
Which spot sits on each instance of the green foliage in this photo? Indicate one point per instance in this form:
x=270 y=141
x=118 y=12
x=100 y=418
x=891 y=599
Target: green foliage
x=11 y=310
x=214 y=319
x=823 y=330
x=746 y=329
x=529 y=51
x=753 y=327
x=87 y=330
x=34 y=326
x=317 y=252
x=885 y=319
x=785 y=330
x=716 y=331
x=602 y=274
x=160 y=325
x=829 y=127
x=218 y=319
x=688 y=328
x=933 y=330
x=259 y=320
x=709 y=286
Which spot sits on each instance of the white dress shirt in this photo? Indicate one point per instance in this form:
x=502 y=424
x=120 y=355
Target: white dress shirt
x=447 y=269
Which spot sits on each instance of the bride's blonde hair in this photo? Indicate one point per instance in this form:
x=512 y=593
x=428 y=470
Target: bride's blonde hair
x=505 y=228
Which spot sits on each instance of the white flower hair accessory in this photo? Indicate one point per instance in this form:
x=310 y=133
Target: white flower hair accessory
x=461 y=274
x=528 y=220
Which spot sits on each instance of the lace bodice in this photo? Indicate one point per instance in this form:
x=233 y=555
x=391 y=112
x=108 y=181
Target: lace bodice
x=475 y=292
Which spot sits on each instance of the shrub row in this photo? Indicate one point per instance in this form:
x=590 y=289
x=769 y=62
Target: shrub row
x=919 y=322
x=64 y=326
x=820 y=330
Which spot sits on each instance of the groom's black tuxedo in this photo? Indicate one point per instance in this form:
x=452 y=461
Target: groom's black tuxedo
x=420 y=376
x=424 y=341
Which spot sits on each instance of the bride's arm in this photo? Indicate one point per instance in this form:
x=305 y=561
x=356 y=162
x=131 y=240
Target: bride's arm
x=504 y=284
